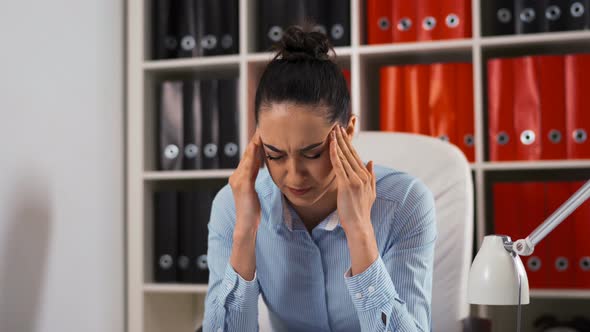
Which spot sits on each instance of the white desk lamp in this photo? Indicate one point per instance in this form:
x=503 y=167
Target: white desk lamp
x=497 y=275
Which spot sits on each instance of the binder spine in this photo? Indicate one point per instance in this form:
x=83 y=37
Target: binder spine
x=416 y=99
x=526 y=109
x=187 y=33
x=428 y=19
x=193 y=126
x=555 y=15
x=404 y=21
x=229 y=123
x=529 y=16
x=577 y=14
x=501 y=133
x=200 y=234
x=552 y=93
x=379 y=16
x=464 y=109
x=230 y=36
x=170 y=125
x=500 y=17
x=442 y=101
x=392 y=117
x=165 y=236
x=272 y=19
x=187 y=205
x=338 y=27
x=210 y=129
x=165 y=42
x=577 y=73
x=211 y=23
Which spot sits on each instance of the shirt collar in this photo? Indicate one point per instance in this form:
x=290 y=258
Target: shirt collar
x=293 y=222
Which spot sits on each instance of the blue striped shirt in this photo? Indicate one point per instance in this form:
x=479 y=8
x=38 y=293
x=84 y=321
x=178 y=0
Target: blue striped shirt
x=304 y=277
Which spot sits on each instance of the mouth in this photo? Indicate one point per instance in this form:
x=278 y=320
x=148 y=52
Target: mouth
x=299 y=192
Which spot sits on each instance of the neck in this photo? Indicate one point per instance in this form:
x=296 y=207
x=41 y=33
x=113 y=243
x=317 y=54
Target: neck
x=313 y=215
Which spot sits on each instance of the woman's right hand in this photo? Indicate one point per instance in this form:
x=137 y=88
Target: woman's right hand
x=242 y=183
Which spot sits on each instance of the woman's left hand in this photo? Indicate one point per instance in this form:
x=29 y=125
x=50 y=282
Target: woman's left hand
x=356 y=185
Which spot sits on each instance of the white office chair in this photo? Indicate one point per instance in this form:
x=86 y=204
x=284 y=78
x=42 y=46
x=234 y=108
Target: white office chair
x=444 y=169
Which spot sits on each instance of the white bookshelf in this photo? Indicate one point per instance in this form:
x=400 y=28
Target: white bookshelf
x=172 y=288
x=155 y=307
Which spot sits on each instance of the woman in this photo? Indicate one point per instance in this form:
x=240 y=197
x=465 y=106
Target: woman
x=330 y=243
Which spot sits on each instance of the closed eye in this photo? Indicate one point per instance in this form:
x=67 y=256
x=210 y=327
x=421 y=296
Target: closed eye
x=269 y=157
x=316 y=156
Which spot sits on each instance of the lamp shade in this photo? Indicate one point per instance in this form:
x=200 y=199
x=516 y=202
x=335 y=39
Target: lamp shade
x=494 y=275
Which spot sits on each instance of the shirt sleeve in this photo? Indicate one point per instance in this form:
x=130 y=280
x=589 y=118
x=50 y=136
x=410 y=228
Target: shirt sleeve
x=231 y=303
x=394 y=293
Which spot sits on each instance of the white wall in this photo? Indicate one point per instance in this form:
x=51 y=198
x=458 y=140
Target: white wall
x=61 y=166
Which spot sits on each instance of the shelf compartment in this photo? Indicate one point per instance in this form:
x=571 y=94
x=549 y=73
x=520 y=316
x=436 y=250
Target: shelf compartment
x=373 y=58
x=528 y=174
x=148 y=245
x=173 y=312
x=150 y=109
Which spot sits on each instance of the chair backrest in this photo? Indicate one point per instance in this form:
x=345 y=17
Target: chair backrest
x=445 y=171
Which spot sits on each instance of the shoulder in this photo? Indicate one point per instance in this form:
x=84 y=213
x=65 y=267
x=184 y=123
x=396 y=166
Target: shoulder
x=401 y=188
x=405 y=206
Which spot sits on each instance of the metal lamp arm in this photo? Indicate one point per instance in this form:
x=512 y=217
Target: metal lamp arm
x=525 y=247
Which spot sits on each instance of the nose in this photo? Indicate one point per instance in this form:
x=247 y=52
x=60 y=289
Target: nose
x=296 y=171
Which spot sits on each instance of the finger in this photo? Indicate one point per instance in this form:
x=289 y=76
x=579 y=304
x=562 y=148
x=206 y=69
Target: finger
x=253 y=155
x=335 y=159
x=354 y=154
x=350 y=172
x=350 y=161
x=253 y=143
x=371 y=169
x=251 y=159
x=256 y=138
x=259 y=151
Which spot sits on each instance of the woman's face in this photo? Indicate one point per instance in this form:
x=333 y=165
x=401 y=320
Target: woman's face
x=297 y=148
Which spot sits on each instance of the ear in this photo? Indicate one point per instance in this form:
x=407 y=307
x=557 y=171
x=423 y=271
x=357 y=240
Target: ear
x=351 y=125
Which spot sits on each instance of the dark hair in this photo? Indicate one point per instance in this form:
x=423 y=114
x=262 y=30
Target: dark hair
x=303 y=73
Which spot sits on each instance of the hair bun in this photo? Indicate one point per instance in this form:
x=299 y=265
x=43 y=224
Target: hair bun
x=300 y=44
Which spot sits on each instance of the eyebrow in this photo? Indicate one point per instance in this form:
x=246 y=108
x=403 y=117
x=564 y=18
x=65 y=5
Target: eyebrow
x=307 y=148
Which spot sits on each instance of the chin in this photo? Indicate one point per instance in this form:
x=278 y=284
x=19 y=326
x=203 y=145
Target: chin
x=309 y=199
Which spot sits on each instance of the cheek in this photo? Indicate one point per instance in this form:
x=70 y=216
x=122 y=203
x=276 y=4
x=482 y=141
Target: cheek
x=322 y=169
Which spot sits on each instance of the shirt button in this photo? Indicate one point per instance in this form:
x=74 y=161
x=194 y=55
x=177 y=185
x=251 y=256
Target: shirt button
x=358 y=295
x=371 y=289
